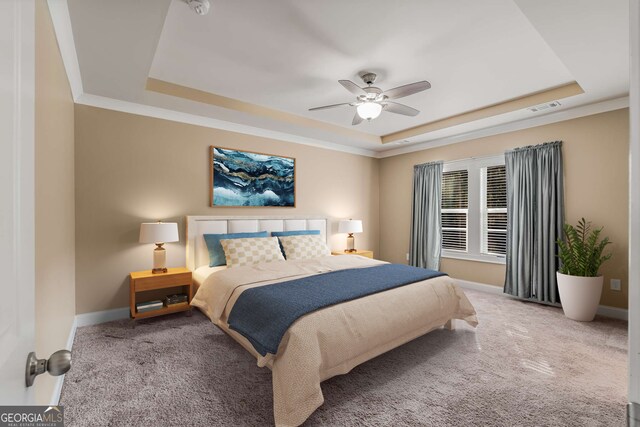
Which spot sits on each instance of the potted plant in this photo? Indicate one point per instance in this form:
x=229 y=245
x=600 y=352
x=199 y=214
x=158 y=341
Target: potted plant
x=579 y=283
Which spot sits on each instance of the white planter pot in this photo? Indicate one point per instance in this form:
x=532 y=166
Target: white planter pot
x=580 y=296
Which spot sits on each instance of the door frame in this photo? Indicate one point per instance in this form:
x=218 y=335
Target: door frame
x=634 y=214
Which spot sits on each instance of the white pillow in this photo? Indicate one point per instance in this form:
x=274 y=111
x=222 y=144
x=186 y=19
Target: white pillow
x=250 y=251
x=304 y=247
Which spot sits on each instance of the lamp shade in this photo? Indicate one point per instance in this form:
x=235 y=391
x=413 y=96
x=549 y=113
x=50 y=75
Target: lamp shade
x=369 y=110
x=350 y=226
x=158 y=232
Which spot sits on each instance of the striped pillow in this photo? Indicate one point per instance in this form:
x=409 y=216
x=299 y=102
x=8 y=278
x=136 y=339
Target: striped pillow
x=250 y=251
x=304 y=247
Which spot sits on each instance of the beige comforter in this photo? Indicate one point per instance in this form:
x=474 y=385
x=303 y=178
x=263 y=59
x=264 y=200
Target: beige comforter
x=333 y=340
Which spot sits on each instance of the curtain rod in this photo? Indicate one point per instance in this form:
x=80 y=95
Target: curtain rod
x=473 y=158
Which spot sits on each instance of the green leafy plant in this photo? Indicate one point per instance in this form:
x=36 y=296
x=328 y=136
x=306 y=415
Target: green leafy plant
x=581 y=253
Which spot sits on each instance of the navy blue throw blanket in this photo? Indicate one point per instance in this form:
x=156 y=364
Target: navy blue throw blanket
x=263 y=314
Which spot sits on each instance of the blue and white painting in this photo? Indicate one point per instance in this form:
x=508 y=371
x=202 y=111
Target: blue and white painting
x=242 y=178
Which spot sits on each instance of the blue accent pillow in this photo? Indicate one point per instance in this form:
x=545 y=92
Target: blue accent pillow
x=292 y=233
x=295 y=233
x=216 y=253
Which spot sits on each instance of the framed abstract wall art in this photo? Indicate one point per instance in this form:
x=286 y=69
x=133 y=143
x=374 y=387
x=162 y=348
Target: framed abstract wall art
x=243 y=178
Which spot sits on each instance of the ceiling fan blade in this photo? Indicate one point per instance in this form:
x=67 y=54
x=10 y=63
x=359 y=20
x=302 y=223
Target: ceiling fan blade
x=329 y=106
x=356 y=120
x=394 y=107
x=406 y=90
x=352 y=87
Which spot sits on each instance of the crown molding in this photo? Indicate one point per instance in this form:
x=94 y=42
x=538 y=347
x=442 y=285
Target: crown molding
x=515 y=104
x=59 y=11
x=172 y=115
x=558 y=116
x=176 y=116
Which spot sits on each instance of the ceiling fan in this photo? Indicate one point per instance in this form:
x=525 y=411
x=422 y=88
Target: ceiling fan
x=371 y=101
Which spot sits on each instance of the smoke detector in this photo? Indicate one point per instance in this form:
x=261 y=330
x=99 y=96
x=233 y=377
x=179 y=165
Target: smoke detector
x=201 y=7
x=545 y=106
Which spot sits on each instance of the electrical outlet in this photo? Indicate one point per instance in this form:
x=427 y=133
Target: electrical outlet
x=615 y=284
x=407 y=256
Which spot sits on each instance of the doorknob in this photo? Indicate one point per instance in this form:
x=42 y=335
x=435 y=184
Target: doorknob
x=58 y=364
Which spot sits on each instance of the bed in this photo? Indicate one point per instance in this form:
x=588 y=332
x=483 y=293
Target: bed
x=330 y=341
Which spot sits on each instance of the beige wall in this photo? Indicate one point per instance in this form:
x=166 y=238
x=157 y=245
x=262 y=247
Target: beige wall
x=54 y=215
x=131 y=169
x=596 y=187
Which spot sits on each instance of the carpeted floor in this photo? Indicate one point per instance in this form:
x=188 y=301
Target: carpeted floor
x=525 y=365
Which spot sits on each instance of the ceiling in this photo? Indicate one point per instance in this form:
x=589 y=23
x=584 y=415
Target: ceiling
x=258 y=66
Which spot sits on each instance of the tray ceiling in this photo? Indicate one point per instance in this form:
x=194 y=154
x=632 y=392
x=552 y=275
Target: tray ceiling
x=273 y=57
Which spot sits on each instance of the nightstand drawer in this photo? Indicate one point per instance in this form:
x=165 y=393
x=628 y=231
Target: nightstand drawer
x=162 y=281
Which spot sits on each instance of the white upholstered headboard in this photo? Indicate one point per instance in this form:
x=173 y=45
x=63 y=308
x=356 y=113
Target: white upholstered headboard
x=197 y=226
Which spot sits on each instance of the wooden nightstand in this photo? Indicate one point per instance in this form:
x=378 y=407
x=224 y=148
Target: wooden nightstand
x=142 y=282
x=368 y=254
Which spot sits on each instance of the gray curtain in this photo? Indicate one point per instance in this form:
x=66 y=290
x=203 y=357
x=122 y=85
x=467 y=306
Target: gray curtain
x=535 y=216
x=426 y=226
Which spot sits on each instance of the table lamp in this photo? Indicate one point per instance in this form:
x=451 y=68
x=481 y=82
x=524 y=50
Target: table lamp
x=350 y=226
x=159 y=233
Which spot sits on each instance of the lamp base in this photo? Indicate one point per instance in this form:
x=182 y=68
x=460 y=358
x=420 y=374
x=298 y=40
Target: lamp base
x=159 y=259
x=350 y=243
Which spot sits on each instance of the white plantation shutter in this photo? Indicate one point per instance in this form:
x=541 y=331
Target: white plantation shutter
x=494 y=210
x=455 y=209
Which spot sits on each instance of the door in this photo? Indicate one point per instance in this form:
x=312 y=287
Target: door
x=17 y=35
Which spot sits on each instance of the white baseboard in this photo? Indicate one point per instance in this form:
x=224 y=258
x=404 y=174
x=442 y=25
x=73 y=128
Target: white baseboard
x=57 y=389
x=96 y=317
x=613 y=312
x=85 y=319
x=603 y=310
x=482 y=287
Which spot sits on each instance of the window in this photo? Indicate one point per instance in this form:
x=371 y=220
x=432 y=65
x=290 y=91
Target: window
x=494 y=210
x=474 y=209
x=455 y=209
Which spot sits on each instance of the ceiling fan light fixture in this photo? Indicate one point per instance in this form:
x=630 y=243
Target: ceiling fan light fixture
x=370 y=100
x=369 y=110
